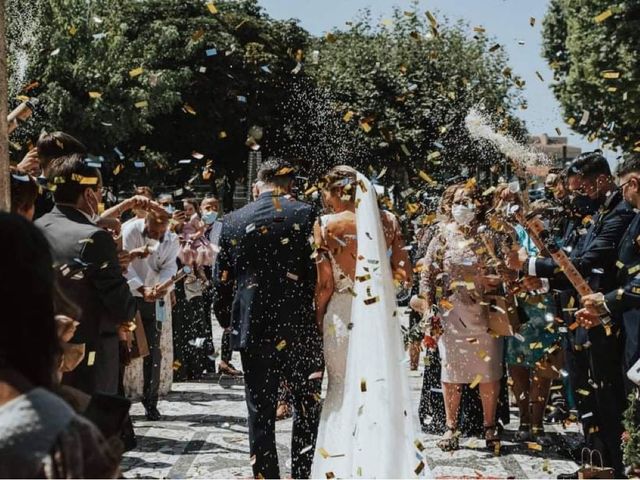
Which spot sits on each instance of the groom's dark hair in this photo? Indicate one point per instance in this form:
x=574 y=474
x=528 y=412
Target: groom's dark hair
x=277 y=172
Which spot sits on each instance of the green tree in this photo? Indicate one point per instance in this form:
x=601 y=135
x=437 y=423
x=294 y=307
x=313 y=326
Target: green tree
x=405 y=86
x=593 y=48
x=161 y=81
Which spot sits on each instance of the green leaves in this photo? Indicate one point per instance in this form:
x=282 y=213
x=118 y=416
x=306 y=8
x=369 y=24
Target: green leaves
x=587 y=44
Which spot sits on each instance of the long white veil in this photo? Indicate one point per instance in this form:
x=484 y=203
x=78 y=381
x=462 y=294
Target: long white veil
x=384 y=435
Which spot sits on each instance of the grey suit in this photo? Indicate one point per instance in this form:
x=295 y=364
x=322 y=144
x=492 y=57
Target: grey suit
x=86 y=261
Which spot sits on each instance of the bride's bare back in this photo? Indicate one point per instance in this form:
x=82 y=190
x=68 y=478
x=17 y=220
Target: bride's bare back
x=338 y=236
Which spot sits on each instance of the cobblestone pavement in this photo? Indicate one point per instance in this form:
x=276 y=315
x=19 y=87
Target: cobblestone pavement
x=203 y=434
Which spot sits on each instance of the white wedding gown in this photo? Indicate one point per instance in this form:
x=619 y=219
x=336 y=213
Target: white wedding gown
x=368 y=426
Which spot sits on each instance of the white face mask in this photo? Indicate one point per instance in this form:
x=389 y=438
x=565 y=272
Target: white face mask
x=463 y=214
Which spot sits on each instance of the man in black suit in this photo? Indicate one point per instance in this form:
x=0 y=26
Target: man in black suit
x=264 y=283
x=594 y=353
x=624 y=301
x=88 y=272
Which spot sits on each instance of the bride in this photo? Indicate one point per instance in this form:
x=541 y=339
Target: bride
x=367 y=428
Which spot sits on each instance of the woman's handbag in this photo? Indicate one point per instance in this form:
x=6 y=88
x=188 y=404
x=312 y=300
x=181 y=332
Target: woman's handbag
x=503 y=315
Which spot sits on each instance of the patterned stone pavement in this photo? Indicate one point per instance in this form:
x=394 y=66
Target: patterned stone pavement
x=204 y=435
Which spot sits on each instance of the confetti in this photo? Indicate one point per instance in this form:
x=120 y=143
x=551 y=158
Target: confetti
x=323 y=453
x=477 y=379
x=141 y=104
x=372 y=300
x=212 y=8
x=95 y=95
x=136 y=72
x=280 y=346
x=91 y=359
x=363 y=385
x=534 y=446
x=603 y=16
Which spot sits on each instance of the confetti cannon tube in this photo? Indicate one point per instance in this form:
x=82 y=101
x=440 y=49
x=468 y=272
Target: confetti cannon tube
x=20 y=114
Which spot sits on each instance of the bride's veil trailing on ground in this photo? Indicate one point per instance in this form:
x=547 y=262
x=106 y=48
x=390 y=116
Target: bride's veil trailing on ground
x=384 y=435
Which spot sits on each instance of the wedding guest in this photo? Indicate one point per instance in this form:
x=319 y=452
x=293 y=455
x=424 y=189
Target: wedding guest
x=86 y=260
x=41 y=435
x=532 y=354
x=48 y=147
x=210 y=215
x=193 y=353
x=145 y=275
x=431 y=409
x=464 y=282
x=24 y=193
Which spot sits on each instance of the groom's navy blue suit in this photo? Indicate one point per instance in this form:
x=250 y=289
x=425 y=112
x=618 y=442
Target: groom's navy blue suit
x=264 y=283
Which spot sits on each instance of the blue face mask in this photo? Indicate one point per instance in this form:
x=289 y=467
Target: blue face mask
x=169 y=209
x=209 y=217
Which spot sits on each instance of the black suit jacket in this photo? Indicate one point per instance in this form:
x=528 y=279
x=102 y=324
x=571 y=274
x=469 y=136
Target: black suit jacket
x=99 y=289
x=264 y=276
x=596 y=254
x=624 y=301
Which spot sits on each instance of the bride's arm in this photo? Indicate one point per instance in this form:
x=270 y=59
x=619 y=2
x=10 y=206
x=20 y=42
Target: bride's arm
x=324 y=284
x=400 y=262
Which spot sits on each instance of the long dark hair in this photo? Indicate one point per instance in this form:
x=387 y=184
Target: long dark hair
x=28 y=342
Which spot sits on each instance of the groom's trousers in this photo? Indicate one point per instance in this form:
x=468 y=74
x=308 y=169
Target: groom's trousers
x=263 y=368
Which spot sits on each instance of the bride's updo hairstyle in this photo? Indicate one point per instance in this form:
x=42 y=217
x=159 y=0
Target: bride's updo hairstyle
x=340 y=182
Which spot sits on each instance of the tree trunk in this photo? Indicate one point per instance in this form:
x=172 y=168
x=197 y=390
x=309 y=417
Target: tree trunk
x=5 y=181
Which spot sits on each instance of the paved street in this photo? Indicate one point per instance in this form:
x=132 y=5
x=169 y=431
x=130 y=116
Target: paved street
x=204 y=435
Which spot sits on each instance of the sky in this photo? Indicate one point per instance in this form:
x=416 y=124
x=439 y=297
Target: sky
x=506 y=20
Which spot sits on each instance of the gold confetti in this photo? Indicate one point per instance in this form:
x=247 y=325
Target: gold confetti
x=479 y=29
x=323 y=453
x=532 y=21
x=91 y=358
x=284 y=171
x=476 y=381
x=280 y=346
x=423 y=175
x=136 y=72
x=603 y=16
x=365 y=126
x=95 y=95
x=419 y=468
x=610 y=74
x=583 y=392
x=141 y=104
x=212 y=8
x=330 y=475
x=84 y=180
x=372 y=300
x=73 y=30
x=534 y=446
x=330 y=37
x=189 y=109
x=363 y=385
x=117 y=169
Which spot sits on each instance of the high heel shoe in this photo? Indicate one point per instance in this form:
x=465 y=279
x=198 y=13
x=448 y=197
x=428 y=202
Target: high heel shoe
x=449 y=442
x=491 y=437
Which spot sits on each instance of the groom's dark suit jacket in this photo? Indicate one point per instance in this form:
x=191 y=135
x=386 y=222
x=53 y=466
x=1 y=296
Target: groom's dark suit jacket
x=264 y=277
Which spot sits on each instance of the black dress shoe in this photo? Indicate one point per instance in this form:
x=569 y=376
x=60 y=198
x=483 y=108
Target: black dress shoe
x=152 y=413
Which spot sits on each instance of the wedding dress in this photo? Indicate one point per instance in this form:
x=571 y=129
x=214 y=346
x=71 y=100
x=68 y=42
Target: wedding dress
x=368 y=426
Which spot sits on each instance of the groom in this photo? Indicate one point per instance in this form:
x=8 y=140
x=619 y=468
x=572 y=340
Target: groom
x=264 y=284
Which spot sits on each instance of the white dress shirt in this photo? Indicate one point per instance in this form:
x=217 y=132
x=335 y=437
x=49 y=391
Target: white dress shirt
x=159 y=266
